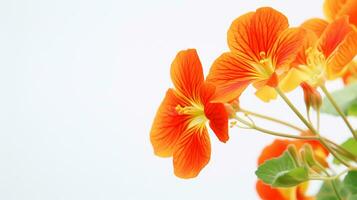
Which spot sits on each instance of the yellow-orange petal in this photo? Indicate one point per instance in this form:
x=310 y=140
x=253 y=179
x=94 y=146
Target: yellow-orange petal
x=333 y=35
x=337 y=8
x=266 y=93
x=350 y=9
x=287 y=46
x=332 y=7
x=168 y=125
x=186 y=73
x=192 y=152
x=292 y=79
x=230 y=76
x=338 y=62
x=256 y=32
x=218 y=120
x=316 y=25
x=268 y=193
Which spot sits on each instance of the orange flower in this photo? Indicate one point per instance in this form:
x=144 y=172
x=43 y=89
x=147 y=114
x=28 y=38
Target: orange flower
x=327 y=51
x=275 y=150
x=179 y=128
x=261 y=49
x=334 y=9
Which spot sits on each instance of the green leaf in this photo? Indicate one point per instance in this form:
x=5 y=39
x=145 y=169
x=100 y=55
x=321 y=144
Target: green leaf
x=350 y=182
x=344 y=98
x=282 y=171
x=347 y=189
x=352 y=109
x=351 y=146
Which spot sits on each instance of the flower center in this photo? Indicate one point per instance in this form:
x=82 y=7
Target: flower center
x=316 y=67
x=265 y=66
x=196 y=113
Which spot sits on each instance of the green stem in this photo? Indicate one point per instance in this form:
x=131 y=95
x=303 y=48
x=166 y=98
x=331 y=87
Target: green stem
x=271 y=119
x=338 y=109
x=253 y=126
x=334 y=186
x=313 y=130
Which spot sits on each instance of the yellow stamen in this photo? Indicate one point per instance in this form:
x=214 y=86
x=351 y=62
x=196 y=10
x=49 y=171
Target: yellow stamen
x=196 y=113
x=316 y=66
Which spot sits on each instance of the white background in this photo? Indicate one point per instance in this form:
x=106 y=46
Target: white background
x=80 y=83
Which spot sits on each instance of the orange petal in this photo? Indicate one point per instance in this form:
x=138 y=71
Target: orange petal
x=253 y=33
x=333 y=35
x=192 y=152
x=287 y=46
x=168 y=125
x=218 y=120
x=268 y=193
x=230 y=76
x=273 y=150
x=350 y=9
x=187 y=73
x=337 y=8
x=342 y=56
x=332 y=7
x=309 y=42
x=316 y=25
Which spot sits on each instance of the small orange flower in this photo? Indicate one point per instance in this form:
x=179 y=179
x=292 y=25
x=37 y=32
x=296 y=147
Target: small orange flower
x=327 y=51
x=261 y=50
x=334 y=10
x=179 y=128
x=276 y=149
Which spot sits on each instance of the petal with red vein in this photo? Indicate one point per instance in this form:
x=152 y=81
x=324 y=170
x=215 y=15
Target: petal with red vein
x=167 y=126
x=192 y=152
x=218 y=120
x=187 y=73
x=253 y=33
x=342 y=56
x=230 y=76
x=287 y=46
x=333 y=35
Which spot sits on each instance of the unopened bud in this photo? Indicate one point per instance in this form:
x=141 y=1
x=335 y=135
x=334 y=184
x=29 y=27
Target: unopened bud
x=312 y=97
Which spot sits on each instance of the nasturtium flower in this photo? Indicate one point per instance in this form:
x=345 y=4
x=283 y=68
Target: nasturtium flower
x=262 y=46
x=276 y=149
x=333 y=10
x=327 y=50
x=179 y=128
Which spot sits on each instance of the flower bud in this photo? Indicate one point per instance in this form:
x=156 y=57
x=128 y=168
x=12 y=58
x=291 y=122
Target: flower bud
x=312 y=97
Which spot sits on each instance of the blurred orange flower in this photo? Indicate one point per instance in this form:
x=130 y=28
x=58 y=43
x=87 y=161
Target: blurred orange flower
x=327 y=50
x=275 y=150
x=334 y=10
x=261 y=50
x=179 y=128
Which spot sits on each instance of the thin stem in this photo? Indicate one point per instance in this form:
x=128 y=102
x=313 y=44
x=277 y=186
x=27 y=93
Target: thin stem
x=253 y=126
x=296 y=111
x=271 y=119
x=338 y=109
x=334 y=186
x=313 y=130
